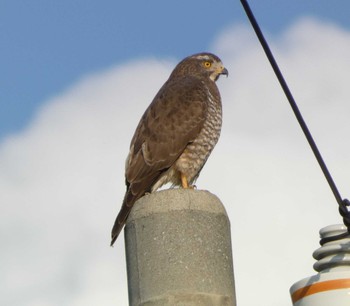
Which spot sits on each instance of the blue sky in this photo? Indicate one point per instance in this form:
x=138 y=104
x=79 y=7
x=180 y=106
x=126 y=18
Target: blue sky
x=48 y=45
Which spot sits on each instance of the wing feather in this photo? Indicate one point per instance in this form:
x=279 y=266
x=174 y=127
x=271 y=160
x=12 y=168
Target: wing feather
x=172 y=121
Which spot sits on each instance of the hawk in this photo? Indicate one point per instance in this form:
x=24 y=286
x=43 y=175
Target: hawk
x=177 y=132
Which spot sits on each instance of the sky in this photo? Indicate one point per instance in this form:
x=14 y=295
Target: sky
x=76 y=77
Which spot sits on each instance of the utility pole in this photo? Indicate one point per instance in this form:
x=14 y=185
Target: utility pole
x=178 y=250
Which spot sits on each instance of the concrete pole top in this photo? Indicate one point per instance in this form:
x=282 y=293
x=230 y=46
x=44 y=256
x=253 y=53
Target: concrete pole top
x=173 y=199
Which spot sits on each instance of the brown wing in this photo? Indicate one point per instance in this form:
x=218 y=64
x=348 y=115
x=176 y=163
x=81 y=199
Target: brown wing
x=172 y=121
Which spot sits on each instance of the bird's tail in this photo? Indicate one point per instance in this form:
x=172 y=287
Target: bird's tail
x=135 y=190
x=124 y=212
x=117 y=228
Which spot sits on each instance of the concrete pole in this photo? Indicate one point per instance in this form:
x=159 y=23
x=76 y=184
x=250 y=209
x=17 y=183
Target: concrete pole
x=178 y=250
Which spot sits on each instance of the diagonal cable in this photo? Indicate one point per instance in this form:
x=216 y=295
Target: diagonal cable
x=343 y=203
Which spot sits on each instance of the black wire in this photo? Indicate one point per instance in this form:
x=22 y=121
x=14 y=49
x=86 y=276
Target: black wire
x=343 y=204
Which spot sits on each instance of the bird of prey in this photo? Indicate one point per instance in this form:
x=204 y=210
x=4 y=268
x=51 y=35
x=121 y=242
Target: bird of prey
x=177 y=132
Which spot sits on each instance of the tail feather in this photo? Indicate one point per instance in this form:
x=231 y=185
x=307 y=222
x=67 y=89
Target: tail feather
x=134 y=191
x=123 y=214
x=117 y=228
x=131 y=196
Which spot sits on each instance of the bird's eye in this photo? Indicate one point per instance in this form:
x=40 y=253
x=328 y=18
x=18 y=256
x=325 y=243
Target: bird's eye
x=207 y=64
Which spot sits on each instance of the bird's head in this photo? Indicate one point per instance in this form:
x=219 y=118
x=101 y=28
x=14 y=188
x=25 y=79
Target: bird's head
x=202 y=65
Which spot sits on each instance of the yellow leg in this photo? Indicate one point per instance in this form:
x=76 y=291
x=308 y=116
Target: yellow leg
x=184 y=181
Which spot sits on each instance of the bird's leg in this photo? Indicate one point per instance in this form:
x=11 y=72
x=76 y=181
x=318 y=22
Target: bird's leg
x=184 y=181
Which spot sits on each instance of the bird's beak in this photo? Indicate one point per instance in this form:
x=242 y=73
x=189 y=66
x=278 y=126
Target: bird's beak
x=221 y=71
x=224 y=71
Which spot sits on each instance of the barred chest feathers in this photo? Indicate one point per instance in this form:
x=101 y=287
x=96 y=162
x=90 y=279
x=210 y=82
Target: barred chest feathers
x=196 y=154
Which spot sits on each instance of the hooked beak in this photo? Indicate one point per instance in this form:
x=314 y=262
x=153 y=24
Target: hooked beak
x=221 y=71
x=224 y=71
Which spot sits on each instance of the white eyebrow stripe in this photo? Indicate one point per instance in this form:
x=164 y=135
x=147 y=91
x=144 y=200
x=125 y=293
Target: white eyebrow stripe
x=205 y=57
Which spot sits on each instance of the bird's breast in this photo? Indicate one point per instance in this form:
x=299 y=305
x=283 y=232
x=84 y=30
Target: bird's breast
x=196 y=153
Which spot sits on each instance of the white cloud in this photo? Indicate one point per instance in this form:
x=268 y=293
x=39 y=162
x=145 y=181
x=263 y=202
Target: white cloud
x=61 y=179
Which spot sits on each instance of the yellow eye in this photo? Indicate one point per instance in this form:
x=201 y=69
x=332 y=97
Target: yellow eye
x=207 y=64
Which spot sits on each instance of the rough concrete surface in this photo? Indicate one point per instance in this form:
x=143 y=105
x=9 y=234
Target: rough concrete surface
x=178 y=249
